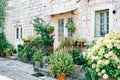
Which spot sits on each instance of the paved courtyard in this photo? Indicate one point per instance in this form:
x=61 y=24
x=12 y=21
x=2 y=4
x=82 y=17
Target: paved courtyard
x=17 y=70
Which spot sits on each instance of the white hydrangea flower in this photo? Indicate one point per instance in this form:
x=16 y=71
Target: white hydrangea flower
x=99 y=62
x=93 y=66
x=109 y=46
x=99 y=74
x=105 y=76
x=97 y=69
x=103 y=71
x=106 y=62
x=106 y=55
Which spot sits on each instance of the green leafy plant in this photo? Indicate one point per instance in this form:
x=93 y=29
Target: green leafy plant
x=44 y=38
x=71 y=26
x=103 y=58
x=61 y=63
x=78 y=57
x=50 y=29
x=37 y=56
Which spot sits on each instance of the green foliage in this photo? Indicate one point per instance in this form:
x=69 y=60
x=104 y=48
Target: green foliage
x=78 y=57
x=3 y=41
x=37 y=56
x=45 y=39
x=50 y=29
x=25 y=52
x=9 y=48
x=66 y=41
x=61 y=62
x=70 y=26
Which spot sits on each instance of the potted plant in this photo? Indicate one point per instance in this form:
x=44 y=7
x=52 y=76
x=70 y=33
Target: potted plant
x=9 y=50
x=103 y=57
x=66 y=42
x=61 y=64
x=37 y=58
x=70 y=26
x=50 y=29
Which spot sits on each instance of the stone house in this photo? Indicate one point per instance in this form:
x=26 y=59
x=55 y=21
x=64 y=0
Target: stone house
x=92 y=18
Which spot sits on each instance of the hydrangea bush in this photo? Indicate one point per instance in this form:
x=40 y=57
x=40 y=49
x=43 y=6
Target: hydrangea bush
x=104 y=57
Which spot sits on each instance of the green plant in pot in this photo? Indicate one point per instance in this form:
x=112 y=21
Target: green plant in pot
x=37 y=58
x=66 y=42
x=50 y=29
x=9 y=50
x=61 y=64
x=71 y=26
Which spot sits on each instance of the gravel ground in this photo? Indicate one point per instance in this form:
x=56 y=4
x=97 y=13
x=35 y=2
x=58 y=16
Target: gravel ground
x=17 y=70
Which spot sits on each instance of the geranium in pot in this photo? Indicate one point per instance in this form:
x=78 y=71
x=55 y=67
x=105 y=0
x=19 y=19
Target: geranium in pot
x=104 y=57
x=61 y=64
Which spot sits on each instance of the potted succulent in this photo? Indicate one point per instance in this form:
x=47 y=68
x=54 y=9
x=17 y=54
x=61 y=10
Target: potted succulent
x=37 y=58
x=70 y=26
x=61 y=64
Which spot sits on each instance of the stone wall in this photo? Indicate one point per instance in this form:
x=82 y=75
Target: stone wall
x=22 y=11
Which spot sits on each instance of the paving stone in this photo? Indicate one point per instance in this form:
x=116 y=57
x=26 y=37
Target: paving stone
x=17 y=70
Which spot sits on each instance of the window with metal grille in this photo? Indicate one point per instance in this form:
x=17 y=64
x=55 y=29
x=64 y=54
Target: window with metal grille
x=101 y=23
x=70 y=20
x=60 y=27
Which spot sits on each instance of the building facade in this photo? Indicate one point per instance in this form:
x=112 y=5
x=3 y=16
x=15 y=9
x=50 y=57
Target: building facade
x=92 y=18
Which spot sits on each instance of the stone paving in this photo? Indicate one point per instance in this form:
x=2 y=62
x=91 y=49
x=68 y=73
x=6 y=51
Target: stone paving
x=17 y=70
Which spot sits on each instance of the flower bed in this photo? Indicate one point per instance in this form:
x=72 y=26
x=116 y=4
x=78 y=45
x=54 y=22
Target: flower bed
x=104 y=57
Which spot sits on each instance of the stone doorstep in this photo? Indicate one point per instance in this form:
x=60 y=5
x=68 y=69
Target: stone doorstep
x=43 y=71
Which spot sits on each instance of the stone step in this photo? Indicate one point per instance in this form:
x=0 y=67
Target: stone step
x=43 y=71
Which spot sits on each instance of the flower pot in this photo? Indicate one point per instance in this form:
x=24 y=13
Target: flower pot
x=9 y=54
x=77 y=68
x=37 y=64
x=109 y=78
x=61 y=77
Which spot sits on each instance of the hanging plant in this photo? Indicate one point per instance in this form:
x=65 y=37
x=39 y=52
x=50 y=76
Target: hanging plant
x=71 y=26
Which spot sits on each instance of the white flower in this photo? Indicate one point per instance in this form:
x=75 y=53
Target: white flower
x=110 y=53
x=99 y=74
x=99 y=62
x=93 y=66
x=105 y=76
x=109 y=46
x=95 y=57
x=106 y=55
x=97 y=69
x=103 y=71
x=106 y=62
x=119 y=66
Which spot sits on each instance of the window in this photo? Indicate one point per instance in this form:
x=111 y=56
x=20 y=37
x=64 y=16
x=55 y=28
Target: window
x=60 y=27
x=101 y=23
x=18 y=33
x=70 y=20
x=21 y=32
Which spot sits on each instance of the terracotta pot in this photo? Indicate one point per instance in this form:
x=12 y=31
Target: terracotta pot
x=50 y=48
x=9 y=54
x=61 y=77
x=109 y=78
x=68 y=48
